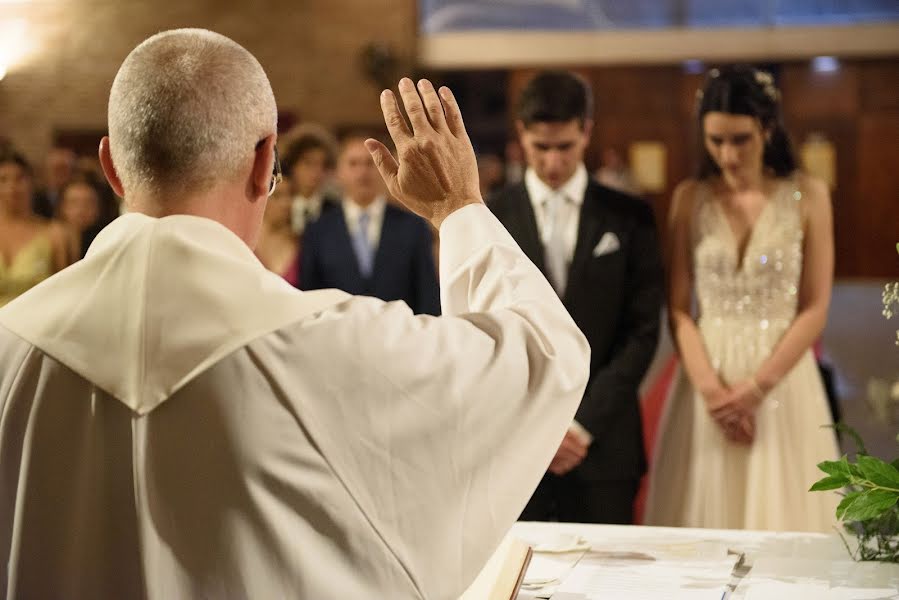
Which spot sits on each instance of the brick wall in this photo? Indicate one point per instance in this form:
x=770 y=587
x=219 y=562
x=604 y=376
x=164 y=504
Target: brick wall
x=309 y=48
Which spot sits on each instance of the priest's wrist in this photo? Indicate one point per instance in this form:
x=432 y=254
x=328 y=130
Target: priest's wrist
x=438 y=217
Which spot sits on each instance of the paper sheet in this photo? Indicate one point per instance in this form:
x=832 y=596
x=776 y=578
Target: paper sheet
x=643 y=579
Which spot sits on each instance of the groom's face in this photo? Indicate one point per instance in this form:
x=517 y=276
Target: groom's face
x=554 y=149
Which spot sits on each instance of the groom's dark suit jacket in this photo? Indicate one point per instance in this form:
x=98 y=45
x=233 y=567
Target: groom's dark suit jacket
x=615 y=299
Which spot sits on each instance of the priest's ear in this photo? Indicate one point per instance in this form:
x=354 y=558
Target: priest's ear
x=109 y=169
x=266 y=172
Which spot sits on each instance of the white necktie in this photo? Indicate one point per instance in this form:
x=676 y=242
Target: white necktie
x=556 y=250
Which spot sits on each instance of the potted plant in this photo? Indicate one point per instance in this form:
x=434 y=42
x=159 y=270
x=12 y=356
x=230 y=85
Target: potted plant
x=870 y=506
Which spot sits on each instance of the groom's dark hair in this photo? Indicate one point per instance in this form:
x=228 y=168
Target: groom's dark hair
x=555 y=97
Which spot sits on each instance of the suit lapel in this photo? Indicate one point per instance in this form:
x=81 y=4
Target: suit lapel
x=589 y=226
x=385 y=240
x=523 y=227
x=343 y=232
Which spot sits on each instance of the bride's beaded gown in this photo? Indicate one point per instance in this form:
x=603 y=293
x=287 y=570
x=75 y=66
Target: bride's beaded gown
x=746 y=303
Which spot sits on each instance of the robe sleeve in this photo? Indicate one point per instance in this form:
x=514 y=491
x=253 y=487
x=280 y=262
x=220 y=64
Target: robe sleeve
x=441 y=427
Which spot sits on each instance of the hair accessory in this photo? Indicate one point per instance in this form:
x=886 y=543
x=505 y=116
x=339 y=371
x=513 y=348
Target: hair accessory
x=766 y=81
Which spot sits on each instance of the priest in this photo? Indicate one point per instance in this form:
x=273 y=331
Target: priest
x=178 y=422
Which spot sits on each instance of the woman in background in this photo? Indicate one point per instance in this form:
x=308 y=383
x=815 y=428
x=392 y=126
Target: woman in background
x=31 y=248
x=752 y=238
x=279 y=247
x=79 y=207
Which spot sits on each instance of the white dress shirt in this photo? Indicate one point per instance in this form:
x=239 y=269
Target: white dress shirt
x=375 y=210
x=572 y=190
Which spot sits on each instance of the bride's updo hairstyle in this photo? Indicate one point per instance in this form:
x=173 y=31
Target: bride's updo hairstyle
x=744 y=90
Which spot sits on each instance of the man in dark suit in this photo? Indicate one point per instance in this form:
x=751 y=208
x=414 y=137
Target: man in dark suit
x=599 y=249
x=368 y=246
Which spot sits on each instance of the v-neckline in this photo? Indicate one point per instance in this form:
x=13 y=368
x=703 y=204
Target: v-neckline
x=739 y=255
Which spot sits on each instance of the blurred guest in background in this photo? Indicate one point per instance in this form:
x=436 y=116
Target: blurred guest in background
x=308 y=161
x=31 y=247
x=491 y=172
x=515 y=165
x=59 y=167
x=81 y=208
x=279 y=247
x=752 y=239
x=369 y=247
x=599 y=249
x=614 y=173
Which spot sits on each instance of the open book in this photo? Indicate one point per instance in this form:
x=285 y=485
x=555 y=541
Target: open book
x=501 y=577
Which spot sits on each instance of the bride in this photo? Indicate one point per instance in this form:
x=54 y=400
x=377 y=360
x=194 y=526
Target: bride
x=752 y=239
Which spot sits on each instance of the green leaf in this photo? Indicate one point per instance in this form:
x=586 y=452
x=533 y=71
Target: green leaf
x=830 y=483
x=835 y=468
x=879 y=472
x=846 y=503
x=895 y=463
x=869 y=505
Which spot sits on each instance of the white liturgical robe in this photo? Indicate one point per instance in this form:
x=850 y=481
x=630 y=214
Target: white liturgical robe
x=177 y=422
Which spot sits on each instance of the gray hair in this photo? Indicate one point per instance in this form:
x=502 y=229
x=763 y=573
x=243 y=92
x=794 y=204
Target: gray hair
x=186 y=110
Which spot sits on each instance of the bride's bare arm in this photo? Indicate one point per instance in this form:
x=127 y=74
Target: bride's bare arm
x=680 y=285
x=814 y=289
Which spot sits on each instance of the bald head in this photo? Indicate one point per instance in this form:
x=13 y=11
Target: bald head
x=186 y=111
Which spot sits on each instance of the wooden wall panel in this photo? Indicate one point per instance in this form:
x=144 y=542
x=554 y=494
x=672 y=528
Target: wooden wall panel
x=876 y=198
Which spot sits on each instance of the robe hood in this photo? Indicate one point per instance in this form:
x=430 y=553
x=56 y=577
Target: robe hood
x=156 y=302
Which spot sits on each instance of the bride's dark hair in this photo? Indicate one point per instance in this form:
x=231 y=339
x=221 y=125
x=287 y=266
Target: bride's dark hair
x=743 y=90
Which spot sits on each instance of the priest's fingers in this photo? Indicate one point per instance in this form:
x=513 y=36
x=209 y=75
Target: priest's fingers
x=384 y=161
x=414 y=108
x=432 y=104
x=393 y=118
x=453 y=114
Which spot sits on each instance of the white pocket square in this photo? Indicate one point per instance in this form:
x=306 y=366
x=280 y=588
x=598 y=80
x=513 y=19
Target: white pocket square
x=608 y=243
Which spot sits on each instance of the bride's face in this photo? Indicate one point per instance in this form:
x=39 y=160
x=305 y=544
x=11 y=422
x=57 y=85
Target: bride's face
x=735 y=142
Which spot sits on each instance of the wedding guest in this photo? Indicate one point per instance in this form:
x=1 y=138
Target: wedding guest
x=308 y=161
x=369 y=246
x=80 y=208
x=31 y=247
x=59 y=166
x=279 y=247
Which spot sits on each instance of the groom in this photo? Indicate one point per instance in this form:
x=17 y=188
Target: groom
x=598 y=248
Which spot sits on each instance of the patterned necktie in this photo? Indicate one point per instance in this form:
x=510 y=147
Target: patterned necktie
x=555 y=249
x=362 y=246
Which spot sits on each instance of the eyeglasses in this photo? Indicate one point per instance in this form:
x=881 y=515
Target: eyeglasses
x=277 y=177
